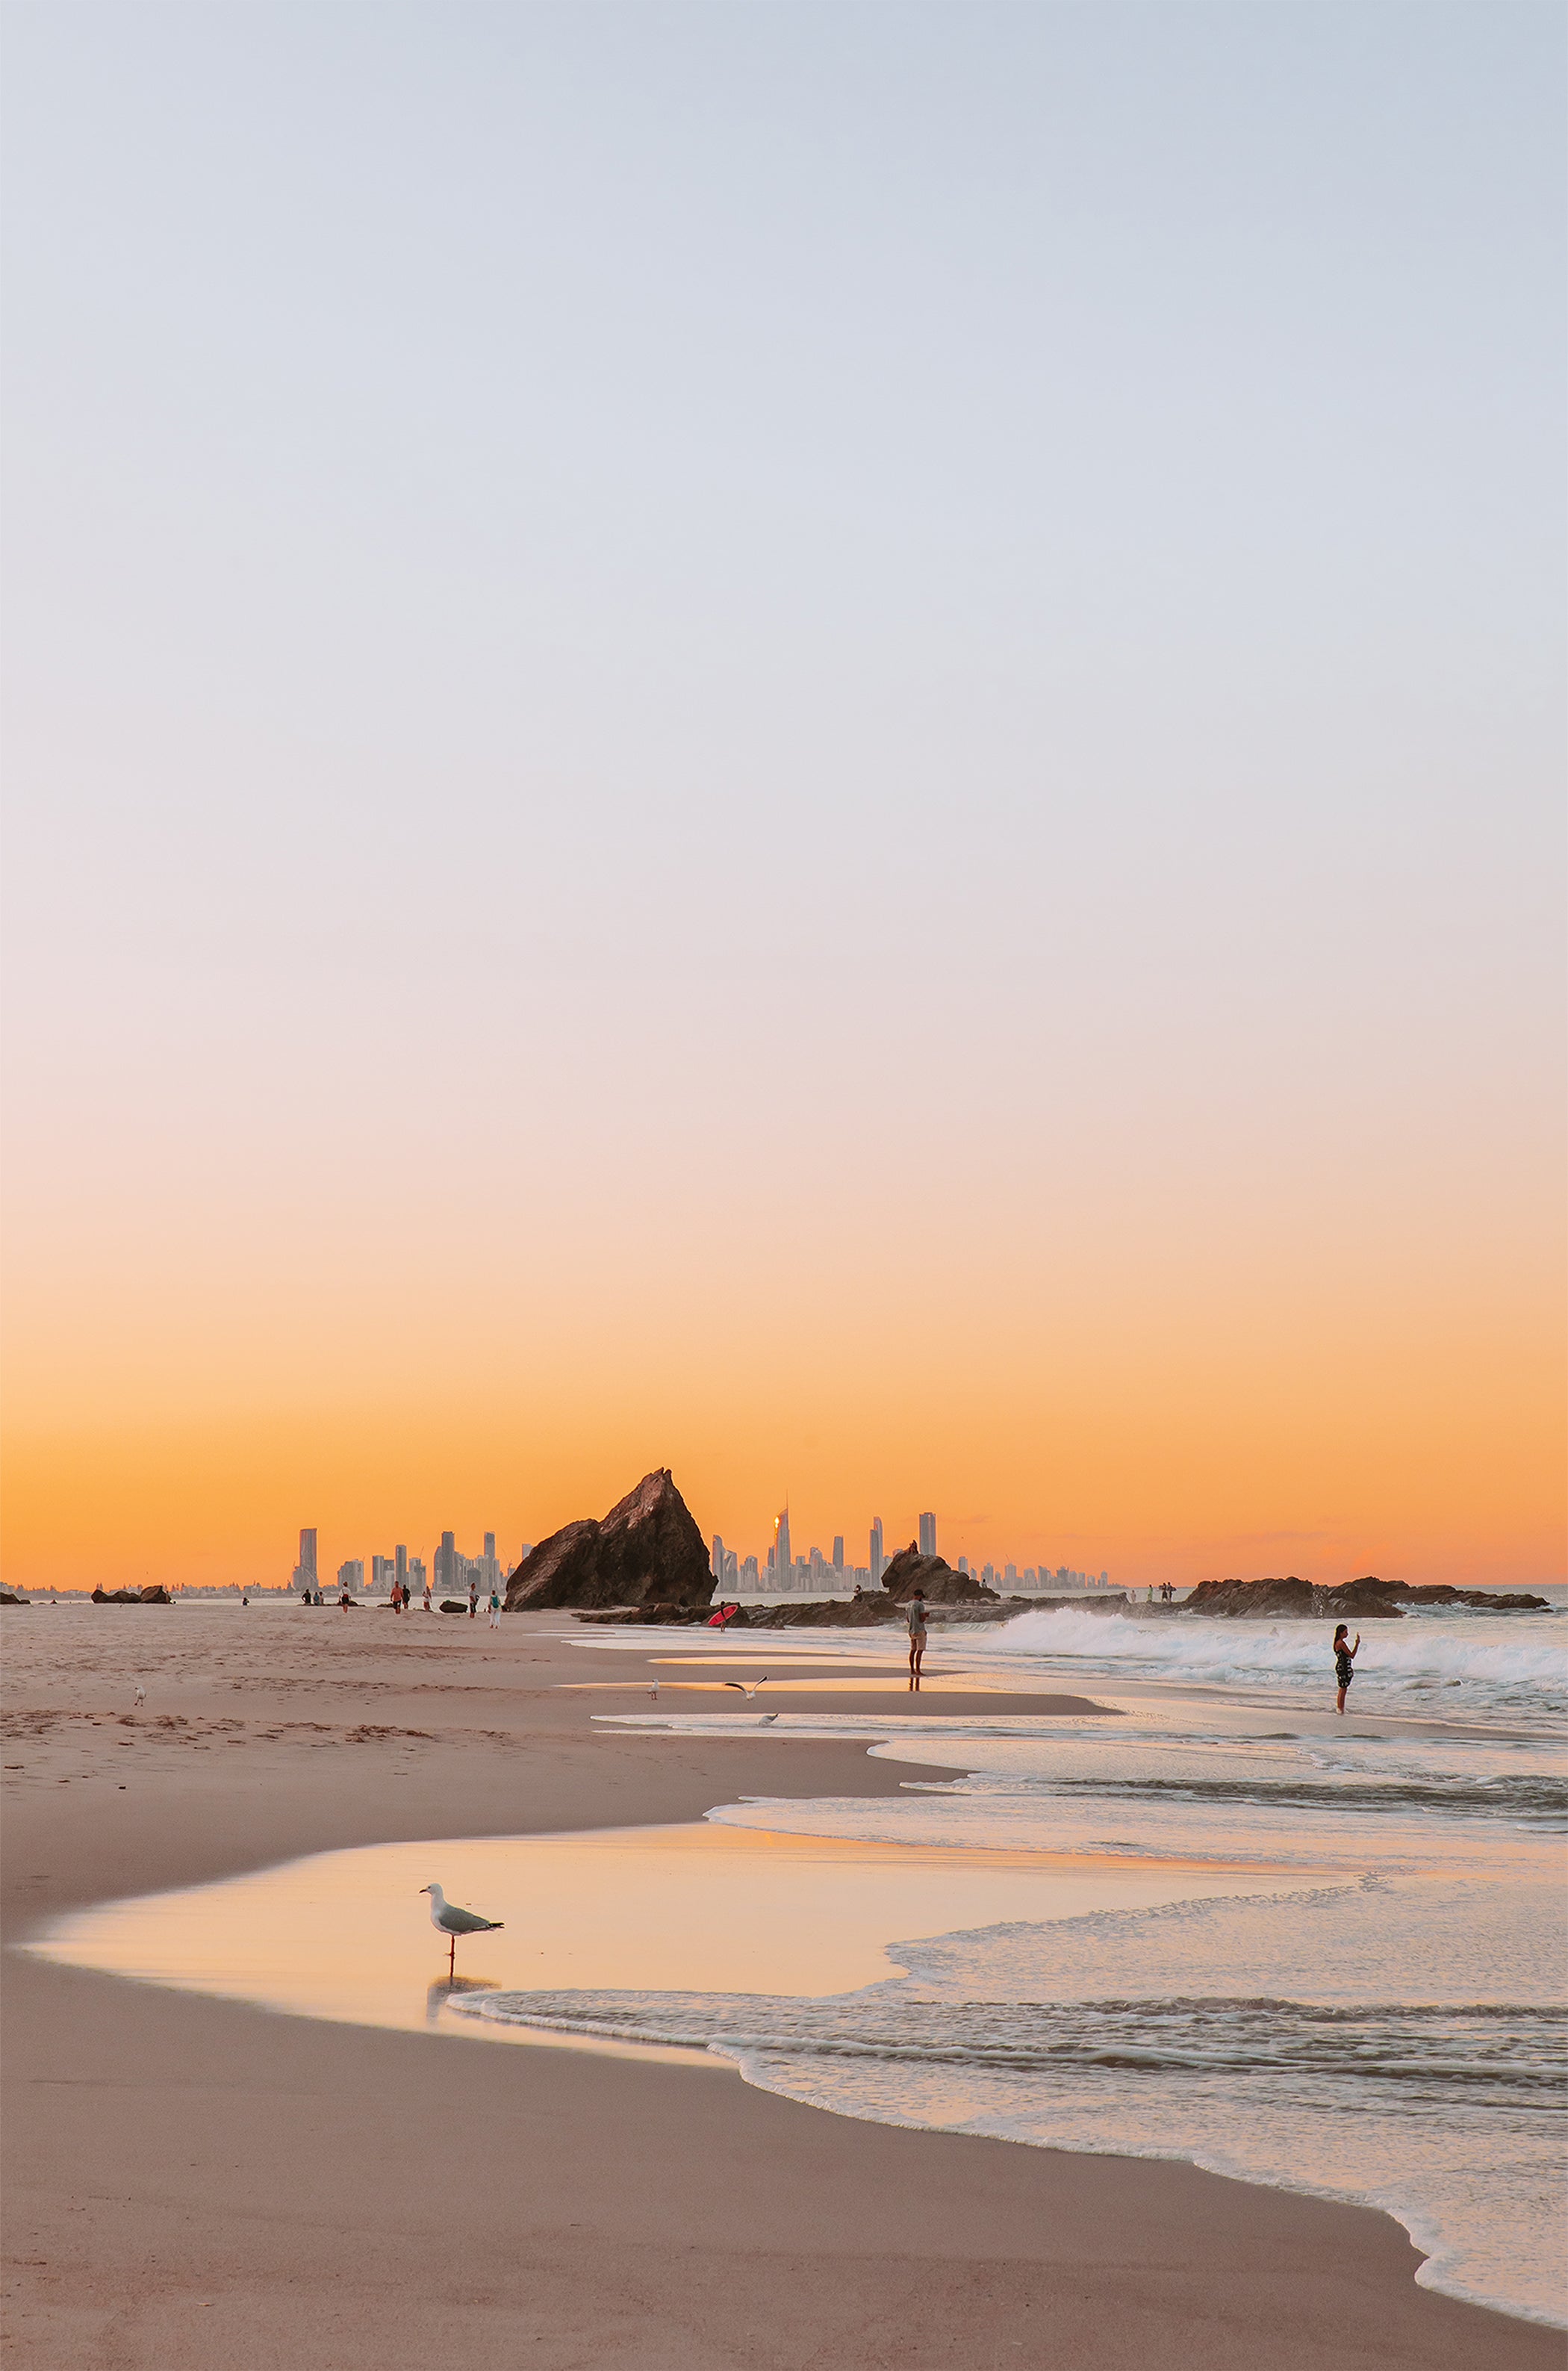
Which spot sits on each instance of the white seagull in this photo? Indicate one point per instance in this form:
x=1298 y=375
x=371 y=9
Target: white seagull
x=448 y=1920
x=141 y=1695
x=741 y=1690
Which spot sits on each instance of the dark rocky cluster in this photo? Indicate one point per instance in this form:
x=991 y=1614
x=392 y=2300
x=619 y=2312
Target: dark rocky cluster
x=1367 y=1600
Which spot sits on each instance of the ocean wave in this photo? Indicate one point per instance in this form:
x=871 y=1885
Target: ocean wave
x=1500 y=2051
x=1420 y=1658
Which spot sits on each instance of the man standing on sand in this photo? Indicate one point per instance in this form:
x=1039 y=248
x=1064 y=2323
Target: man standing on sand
x=916 y=1636
x=473 y=1600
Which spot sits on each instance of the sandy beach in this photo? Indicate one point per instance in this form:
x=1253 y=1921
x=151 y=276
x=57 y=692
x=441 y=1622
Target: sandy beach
x=189 y=2181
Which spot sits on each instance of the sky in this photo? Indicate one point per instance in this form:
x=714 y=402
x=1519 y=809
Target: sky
x=821 y=742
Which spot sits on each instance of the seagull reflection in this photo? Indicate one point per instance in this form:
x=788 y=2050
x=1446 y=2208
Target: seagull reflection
x=441 y=1992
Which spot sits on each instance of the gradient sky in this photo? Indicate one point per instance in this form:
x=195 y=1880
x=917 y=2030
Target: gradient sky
x=817 y=742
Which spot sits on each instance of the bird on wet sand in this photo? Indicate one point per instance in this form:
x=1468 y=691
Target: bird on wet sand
x=448 y=1920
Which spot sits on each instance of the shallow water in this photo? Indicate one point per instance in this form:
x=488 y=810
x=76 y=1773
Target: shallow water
x=1393 y=2036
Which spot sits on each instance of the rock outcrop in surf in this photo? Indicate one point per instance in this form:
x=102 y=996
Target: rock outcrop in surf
x=909 y=1570
x=1367 y=1600
x=646 y=1551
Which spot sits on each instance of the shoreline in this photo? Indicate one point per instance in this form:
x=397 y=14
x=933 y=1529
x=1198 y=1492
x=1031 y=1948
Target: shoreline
x=190 y=2180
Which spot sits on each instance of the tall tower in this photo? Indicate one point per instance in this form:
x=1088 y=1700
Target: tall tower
x=783 y=1559
x=716 y=1559
x=877 y=1557
x=928 y=1535
x=304 y=1570
x=838 y=1553
x=402 y=1553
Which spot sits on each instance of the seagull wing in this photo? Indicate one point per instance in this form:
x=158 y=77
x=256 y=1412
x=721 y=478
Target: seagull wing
x=736 y=1686
x=467 y=1922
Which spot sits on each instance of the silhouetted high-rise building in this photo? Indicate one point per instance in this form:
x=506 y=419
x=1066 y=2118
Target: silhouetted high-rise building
x=383 y=1571
x=716 y=1559
x=783 y=1554
x=400 y=1572
x=877 y=1557
x=928 y=1535
x=838 y=1553
x=352 y=1574
x=304 y=1570
x=445 y=1562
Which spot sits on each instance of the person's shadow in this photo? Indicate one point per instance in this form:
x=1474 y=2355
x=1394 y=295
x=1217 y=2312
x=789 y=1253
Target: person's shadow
x=441 y=1992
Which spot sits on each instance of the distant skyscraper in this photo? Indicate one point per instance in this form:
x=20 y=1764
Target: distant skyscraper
x=838 y=1553
x=304 y=1570
x=783 y=1554
x=928 y=1535
x=877 y=1557
x=352 y=1575
x=401 y=1573
x=383 y=1571
x=716 y=1559
x=445 y=1562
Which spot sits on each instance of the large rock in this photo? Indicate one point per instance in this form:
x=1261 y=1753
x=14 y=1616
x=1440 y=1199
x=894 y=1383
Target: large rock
x=646 y=1551
x=909 y=1570
x=154 y=1594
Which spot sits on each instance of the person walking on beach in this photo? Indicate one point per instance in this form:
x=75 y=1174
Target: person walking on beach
x=916 y=1636
x=1344 y=1663
x=427 y=1597
x=473 y=1599
x=495 y=1609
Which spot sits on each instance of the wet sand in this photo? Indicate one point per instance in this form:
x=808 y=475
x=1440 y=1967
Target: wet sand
x=190 y=2182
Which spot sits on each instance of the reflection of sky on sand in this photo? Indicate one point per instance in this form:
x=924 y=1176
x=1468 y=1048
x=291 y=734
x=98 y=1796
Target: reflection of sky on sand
x=702 y=1907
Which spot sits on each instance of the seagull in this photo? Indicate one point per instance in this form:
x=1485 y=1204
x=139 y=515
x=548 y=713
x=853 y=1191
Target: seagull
x=141 y=1695
x=448 y=1920
x=653 y=1688
x=741 y=1690
x=766 y=1719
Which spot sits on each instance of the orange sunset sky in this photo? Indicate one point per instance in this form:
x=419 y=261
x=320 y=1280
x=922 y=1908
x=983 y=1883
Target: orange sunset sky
x=790 y=744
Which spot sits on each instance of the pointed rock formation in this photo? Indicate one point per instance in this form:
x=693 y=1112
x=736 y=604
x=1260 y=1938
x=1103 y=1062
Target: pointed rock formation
x=935 y=1576
x=646 y=1551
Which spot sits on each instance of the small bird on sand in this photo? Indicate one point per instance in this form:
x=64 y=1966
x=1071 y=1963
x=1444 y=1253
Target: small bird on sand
x=448 y=1920
x=653 y=1688
x=141 y=1695
x=741 y=1690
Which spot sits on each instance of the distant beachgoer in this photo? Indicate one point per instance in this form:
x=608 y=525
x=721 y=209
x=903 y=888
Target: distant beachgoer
x=427 y=1597
x=917 y=1613
x=495 y=1609
x=473 y=1599
x=244 y=1599
x=1344 y=1663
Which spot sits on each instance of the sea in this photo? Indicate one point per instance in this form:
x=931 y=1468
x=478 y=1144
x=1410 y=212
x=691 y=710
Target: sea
x=1382 y=2020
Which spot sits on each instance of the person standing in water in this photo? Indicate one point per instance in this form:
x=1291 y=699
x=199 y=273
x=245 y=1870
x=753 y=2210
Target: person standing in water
x=1344 y=1661
x=916 y=1636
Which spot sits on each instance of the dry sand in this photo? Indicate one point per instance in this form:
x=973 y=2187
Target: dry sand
x=193 y=2183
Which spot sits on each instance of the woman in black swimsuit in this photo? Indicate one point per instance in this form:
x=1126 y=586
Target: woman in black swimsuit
x=1344 y=1663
